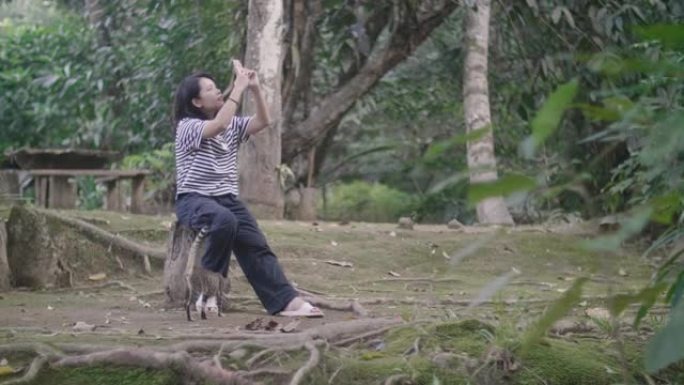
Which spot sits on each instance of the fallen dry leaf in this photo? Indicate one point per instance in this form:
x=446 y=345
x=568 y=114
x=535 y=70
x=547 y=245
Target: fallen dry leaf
x=445 y=255
x=97 y=277
x=333 y=243
x=290 y=327
x=598 y=313
x=623 y=272
x=272 y=325
x=393 y=274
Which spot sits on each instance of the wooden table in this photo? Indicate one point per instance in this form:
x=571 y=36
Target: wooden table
x=55 y=190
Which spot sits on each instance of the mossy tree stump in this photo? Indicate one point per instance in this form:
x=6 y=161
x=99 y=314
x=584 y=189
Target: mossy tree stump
x=33 y=255
x=50 y=249
x=178 y=248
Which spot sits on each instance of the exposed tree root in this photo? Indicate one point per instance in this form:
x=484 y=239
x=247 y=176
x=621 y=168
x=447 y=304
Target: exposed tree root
x=179 y=361
x=177 y=357
x=96 y=287
x=410 y=279
x=310 y=364
x=364 y=336
x=97 y=234
x=36 y=366
x=30 y=347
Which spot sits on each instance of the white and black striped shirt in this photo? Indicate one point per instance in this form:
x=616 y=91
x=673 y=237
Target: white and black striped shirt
x=208 y=166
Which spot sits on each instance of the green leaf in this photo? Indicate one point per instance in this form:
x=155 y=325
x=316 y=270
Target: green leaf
x=665 y=207
x=501 y=187
x=628 y=228
x=674 y=294
x=557 y=310
x=665 y=347
x=549 y=116
x=670 y=35
x=437 y=149
x=618 y=303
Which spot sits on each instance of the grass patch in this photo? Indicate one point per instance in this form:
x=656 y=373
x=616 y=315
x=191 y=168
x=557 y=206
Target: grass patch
x=106 y=376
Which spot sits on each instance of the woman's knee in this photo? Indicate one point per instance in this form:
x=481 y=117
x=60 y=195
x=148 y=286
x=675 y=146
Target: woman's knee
x=225 y=220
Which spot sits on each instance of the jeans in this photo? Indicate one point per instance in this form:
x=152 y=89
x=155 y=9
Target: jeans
x=232 y=228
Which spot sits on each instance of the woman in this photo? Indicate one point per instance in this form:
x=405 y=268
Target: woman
x=208 y=135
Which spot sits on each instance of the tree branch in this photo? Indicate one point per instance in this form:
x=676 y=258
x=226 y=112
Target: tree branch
x=408 y=32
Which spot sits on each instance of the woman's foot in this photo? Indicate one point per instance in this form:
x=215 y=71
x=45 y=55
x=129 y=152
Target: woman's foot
x=300 y=308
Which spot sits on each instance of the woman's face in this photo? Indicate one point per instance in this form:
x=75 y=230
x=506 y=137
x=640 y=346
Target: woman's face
x=210 y=99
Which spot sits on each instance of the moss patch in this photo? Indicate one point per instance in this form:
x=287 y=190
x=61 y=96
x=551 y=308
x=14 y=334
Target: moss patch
x=568 y=363
x=352 y=371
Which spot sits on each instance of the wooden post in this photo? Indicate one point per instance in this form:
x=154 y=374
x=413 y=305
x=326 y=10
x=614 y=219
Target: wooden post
x=137 y=194
x=5 y=274
x=9 y=186
x=113 y=195
x=62 y=193
x=40 y=184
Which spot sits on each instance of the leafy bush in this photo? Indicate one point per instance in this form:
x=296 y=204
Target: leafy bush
x=363 y=201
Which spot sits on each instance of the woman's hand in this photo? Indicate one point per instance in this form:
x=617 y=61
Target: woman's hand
x=242 y=80
x=253 y=78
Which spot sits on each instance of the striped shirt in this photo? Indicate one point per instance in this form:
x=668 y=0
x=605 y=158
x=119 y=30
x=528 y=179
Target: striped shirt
x=208 y=166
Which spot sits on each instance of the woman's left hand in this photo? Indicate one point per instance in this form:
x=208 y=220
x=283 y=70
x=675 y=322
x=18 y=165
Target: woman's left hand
x=253 y=79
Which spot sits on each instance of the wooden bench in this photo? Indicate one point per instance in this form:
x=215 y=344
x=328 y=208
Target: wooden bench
x=55 y=190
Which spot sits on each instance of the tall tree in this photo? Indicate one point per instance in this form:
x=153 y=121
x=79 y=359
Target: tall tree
x=260 y=156
x=481 y=156
x=383 y=34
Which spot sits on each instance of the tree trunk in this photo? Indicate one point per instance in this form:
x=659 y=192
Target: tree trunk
x=178 y=247
x=481 y=156
x=409 y=23
x=5 y=276
x=306 y=210
x=260 y=156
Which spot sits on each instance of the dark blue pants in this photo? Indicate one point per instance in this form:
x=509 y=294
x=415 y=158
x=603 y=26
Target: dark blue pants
x=231 y=227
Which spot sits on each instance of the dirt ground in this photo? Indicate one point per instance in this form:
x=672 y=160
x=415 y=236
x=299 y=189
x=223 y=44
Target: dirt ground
x=433 y=292
x=433 y=270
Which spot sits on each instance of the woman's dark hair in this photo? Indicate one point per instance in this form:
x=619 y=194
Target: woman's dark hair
x=187 y=90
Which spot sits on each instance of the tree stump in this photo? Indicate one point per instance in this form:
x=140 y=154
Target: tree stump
x=48 y=249
x=31 y=253
x=5 y=276
x=178 y=247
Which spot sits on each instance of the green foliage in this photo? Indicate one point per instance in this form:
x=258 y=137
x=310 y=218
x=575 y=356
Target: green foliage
x=66 y=83
x=161 y=163
x=549 y=116
x=666 y=346
x=557 y=310
x=503 y=186
x=362 y=201
x=48 y=83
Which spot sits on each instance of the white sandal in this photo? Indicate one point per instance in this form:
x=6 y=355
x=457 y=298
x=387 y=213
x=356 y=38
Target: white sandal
x=306 y=310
